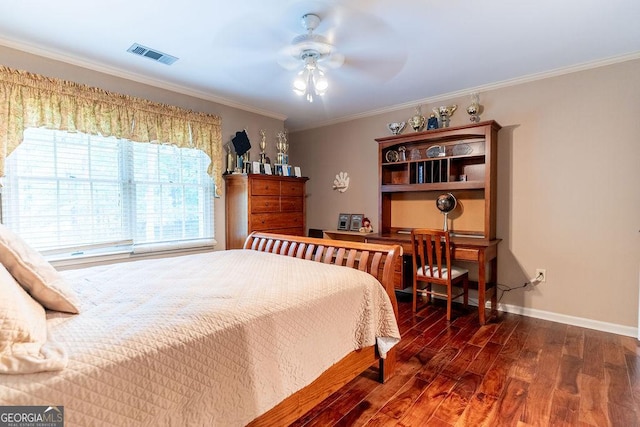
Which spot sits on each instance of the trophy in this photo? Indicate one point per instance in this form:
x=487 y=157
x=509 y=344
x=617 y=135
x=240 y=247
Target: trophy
x=282 y=146
x=263 y=145
x=286 y=149
x=229 y=158
x=417 y=121
x=396 y=127
x=474 y=109
x=444 y=113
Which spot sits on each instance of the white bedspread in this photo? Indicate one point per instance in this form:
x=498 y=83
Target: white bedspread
x=211 y=339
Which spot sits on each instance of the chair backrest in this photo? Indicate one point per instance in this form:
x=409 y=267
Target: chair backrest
x=431 y=253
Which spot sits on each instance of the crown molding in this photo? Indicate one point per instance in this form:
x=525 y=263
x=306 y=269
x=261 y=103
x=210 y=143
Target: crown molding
x=118 y=72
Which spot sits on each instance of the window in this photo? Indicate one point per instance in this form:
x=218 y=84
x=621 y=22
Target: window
x=72 y=192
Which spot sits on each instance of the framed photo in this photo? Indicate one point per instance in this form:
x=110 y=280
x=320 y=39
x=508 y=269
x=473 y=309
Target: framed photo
x=267 y=168
x=285 y=170
x=344 y=221
x=356 y=222
x=256 y=167
x=298 y=172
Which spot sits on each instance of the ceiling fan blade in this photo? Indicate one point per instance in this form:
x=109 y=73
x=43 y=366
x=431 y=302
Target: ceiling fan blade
x=377 y=68
x=335 y=60
x=288 y=62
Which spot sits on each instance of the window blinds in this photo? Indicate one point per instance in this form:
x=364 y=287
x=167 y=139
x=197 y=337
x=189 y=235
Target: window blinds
x=76 y=191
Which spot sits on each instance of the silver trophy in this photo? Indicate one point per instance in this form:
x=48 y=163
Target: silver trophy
x=396 y=127
x=283 y=147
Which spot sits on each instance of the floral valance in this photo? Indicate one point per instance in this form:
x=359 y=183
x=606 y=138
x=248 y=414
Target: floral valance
x=31 y=100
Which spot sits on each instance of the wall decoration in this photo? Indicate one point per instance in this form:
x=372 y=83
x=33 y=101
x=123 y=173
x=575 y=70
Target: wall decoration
x=341 y=183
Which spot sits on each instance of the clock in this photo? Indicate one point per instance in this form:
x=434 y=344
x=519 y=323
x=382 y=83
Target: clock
x=391 y=156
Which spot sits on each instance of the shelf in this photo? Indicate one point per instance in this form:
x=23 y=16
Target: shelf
x=470 y=131
x=432 y=159
x=437 y=186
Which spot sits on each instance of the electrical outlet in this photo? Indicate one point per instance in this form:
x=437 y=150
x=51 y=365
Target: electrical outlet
x=541 y=275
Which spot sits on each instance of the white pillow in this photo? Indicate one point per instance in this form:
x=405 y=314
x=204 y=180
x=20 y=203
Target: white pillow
x=23 y=332
x=35 y=274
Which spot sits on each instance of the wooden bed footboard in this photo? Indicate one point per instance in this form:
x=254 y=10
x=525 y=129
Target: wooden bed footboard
x=377 y=260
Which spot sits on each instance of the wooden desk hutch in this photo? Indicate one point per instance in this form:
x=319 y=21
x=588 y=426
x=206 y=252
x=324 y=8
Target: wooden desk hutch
x=414 y=169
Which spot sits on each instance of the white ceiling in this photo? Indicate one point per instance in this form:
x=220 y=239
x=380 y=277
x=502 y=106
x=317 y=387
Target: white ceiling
x=398 y=52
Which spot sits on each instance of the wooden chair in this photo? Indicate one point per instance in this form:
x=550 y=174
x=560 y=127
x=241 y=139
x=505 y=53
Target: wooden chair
x=432 y=266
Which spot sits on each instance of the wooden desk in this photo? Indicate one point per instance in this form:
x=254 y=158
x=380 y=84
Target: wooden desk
x=480 y=251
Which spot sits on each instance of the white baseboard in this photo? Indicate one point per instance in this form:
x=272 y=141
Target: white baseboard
x=569 y=320
x=560 y=318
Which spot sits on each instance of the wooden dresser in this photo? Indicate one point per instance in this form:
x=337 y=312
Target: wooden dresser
x=263 y=203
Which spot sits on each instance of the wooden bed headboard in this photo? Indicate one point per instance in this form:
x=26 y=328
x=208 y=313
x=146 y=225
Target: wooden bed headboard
x=377 y=260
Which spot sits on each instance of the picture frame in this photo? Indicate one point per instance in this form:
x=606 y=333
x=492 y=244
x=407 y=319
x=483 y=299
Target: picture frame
x=255 y=167
x=267 y=169
x=356 y=222
x=297 y=171
x=344 y=221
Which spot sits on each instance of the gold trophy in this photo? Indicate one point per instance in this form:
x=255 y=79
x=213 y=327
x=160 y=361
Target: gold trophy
x=263 y=145
x=474 y=109
x=444 y=113
x=417 y=121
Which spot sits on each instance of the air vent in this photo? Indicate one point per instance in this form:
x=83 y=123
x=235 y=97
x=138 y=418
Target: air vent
x=155 y=55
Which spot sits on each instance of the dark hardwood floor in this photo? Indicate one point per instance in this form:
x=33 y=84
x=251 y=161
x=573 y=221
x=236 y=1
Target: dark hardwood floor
x=514 y=371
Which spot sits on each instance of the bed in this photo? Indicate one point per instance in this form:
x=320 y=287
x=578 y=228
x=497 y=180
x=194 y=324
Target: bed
x=254 y=336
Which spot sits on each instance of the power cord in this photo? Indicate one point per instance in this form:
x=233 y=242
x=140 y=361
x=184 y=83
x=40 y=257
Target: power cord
x=506 y=288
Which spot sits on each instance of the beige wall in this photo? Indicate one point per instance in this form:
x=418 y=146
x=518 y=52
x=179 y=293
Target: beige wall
x=233 y=119
x=568 y=186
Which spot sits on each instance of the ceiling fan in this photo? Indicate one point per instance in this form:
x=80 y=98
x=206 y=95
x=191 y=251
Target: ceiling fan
x=310 y=50
x=341 y=44
x=310 y=46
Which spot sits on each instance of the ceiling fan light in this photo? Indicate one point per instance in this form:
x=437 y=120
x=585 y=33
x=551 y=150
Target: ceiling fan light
x=321 y=84
x=299 y=84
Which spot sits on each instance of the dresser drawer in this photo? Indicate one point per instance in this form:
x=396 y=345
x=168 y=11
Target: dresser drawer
x=292 y=189
x=266 y=221
x=291 y=204
x=260 y=204
x=265 y=187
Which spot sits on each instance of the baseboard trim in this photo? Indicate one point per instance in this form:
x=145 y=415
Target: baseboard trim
x=570 y=320
x=597 y=325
